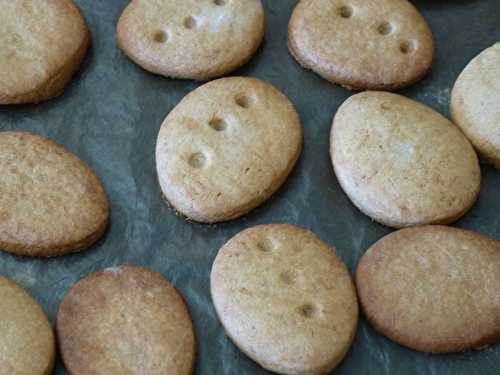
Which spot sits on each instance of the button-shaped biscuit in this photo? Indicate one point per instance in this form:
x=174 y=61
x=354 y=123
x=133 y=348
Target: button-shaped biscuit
x=51 y=203
x=285 y=299
x=402 y=163
x=433 y=288
x=42 y=44
x=195 y=39
x=475 y=103
x=226 y=147
x=27 y=344
x=362 y=44
x=125 y=320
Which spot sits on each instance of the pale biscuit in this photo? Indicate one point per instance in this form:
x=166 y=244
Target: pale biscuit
x=433 y=288
x=402 y=163
x=125 y=320
x=475 y=103
x=194 y=39
x=27 y=344
x=285 y=299
x=42 y=44
x=51 y=203
x=362 y=44
x=226 y=148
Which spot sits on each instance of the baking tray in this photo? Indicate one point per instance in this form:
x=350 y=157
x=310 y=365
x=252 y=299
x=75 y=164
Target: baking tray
x=110 y=116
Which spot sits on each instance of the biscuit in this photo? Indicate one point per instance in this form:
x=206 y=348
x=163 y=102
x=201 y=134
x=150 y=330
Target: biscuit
x=475 y=104
x=362 y=44
x=42 y=44
x=285 y=299
x=51 y=203
x=402 y=163
x=191 y=39
x=226 y=148
x=125 y=320
x=27 y=344
x=433 y=288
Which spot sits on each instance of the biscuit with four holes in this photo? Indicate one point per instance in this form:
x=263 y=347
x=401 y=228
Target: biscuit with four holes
x=402 y=163
x=27 y=344
x=433 y=288
x=193 y=39
x=226 y=148
x=362 y=44
x=285 y=299
x=475 y=103
x=125 y=320
x=51 y=203
x=42 y=44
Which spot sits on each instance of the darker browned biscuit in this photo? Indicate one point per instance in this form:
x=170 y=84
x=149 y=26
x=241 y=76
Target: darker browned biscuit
x=362 y=44
x=42 y=45
x=285 y=299
x=433 y=288
x=125 y=320
x=51 y=203
x=190 y=38
x=27 y=344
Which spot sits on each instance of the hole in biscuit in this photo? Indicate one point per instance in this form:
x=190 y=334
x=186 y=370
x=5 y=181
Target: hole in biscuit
x=244 y=101
x=266 y=245
x=287 y=277
x=220 y=2
x=307 y=310
x=160 y=36
x=345 y=11
x=406 y=47
x=384 y=28
x=197 y=160
x=218 y=124
x=189 y=23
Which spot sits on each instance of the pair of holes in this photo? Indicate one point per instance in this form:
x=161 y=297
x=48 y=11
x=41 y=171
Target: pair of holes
x=384 y=28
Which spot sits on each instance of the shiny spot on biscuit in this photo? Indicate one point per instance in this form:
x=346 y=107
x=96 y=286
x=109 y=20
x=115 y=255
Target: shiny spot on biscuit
x=385 y=28
x=218 y=124
x=160 y=36
x=345 y=11
x=189 y=23
x=197 y=160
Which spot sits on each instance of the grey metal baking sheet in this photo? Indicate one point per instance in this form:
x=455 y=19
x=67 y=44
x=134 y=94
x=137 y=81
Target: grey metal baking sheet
x=110 y=116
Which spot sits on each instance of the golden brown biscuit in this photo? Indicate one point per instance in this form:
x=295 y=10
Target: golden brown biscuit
x=42 y=44
x=27 y=344
x=195 y=39
x=51 y=203
x=362 y=44
x=402 y=163
x=475 y=103
x=285 y=299
x=226 y=148
x=125 y=320
x=433 y=288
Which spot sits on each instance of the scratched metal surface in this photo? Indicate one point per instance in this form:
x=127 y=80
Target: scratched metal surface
x=110 y=116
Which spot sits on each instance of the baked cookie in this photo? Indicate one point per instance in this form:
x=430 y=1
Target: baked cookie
x=402 y=163
x=27 y=344
x=226 y=148
x=362 y=44
x=51 y=203
x=285 y=299
x=475 y=104
x=125 y=320
x=42 y=44
x=194 y=39
x=433 y=288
